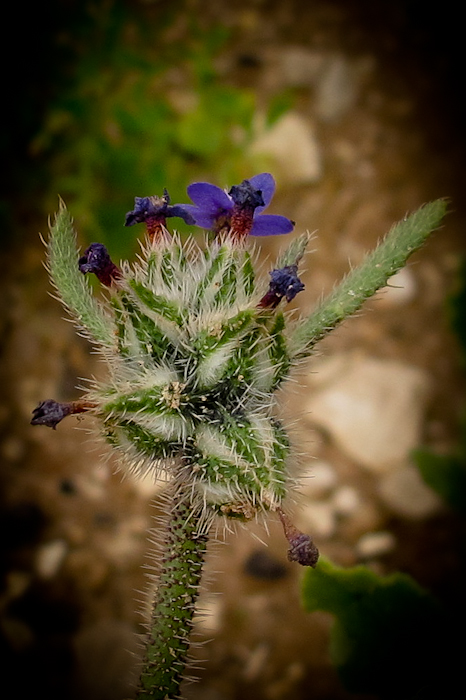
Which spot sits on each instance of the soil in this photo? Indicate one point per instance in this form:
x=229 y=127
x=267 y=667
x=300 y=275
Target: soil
x=71 y=626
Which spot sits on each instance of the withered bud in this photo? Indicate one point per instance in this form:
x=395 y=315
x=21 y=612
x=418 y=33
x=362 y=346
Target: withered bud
x=97 y=260
x=50 y=412
x=302 y=549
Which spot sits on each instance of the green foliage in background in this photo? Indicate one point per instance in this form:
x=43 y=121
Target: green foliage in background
x=388 y=638
x=144 y=106
x=446 y=474
x=457 y=308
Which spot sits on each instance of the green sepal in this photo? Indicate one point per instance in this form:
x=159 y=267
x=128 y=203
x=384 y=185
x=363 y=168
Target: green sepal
x=172 y=264
x=157 y=304
x=278 y=351
x=215 y=259
x=153 y=400
x=122 y=433
x=152 y=339
x=214 y=345
x=246 y=276
x=241 y=459
x=295 y=251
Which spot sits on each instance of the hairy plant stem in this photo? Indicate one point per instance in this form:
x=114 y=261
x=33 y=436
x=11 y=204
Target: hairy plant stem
x=167 y=647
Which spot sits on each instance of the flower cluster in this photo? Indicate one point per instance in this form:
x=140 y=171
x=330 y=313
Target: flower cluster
x=196 y=349
x=196 y=346
x=236 y=213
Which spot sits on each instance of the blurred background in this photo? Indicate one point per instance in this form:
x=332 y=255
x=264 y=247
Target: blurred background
x=356 y=108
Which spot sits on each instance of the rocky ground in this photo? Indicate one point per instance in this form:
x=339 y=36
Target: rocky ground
x=369 y=140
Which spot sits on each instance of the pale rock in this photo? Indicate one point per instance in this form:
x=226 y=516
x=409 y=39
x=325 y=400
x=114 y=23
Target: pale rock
x=336 y=90
x=92 y=484
x=374 y=544
x=373 y=409
x=147 y=485
x=317 y=518
x=126 y=544
x=317 y=480
x=291 y=150
x=325 y=370
x=345 y=500
x=49 y=558
x=332 y=78
x=407 y=495
x=366 y=518
x=401 y=289
x=256 y=662
x=209 y=614
x=298 y=66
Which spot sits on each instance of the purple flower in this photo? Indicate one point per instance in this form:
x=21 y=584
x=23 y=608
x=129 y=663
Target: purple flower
x=153 y=211
x=97 y=260
x=284 y=282
x=239 y=211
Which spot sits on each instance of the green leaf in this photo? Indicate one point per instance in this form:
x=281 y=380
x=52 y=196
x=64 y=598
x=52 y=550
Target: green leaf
x=360 y=284
x=457 y=308
x=388 y=637
x=445 y=474
x=72 y=285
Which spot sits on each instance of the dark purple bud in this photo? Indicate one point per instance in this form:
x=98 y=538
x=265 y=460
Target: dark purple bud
x=156 y=208
x=245 y=196
x=97 y=260
x=284 y=282
x=302 y=549
x=51 y=412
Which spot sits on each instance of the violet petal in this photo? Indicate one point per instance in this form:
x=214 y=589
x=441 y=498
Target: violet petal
x=182 y=212
x=199 y=217
x=210 y=198
x=266 y=184
x=271 y=225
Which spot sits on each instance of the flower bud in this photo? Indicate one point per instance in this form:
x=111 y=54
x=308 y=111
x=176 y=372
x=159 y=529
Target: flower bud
x=97 y=260
x=302 y=549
